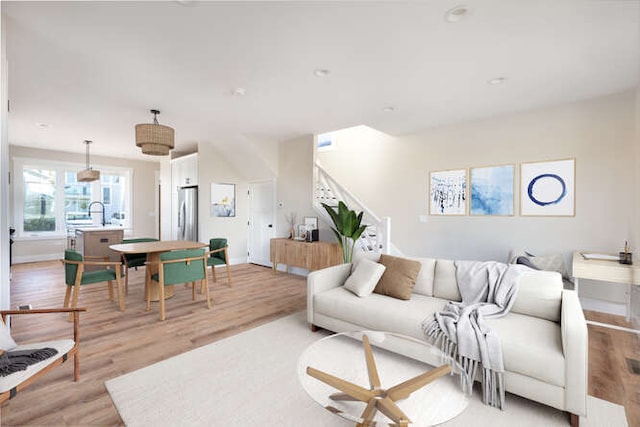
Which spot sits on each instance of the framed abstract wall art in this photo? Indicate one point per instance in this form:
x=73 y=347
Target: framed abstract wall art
x=223 y=200
x=448 y=192
x=492 y=190
x=547 y=188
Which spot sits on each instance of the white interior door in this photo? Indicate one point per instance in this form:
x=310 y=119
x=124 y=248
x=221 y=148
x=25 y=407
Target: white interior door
x=261 y=221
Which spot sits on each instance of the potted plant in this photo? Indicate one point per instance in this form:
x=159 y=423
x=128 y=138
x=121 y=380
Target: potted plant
x=347 y=229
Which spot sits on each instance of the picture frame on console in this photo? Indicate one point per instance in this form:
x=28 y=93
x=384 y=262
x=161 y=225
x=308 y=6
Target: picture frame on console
x=448 y=192
x=311 y=222
x=547 y=188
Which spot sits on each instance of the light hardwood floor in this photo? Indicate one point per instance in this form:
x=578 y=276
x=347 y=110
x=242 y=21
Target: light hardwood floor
x=114 y=343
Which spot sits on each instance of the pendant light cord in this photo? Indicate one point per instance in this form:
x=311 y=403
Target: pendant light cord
x=87 y=142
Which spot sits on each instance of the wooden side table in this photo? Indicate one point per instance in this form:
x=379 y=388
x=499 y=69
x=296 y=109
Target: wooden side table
x=309 y=255
x=606 y=271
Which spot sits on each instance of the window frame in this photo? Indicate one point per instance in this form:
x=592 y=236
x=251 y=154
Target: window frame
x=60 y=167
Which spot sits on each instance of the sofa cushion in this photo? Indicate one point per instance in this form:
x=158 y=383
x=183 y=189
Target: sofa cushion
x=424 y=281
x=364 y=278
x=445 y=284
x=399 y=278
x=539 y=294
x=378 y=312
x=531 y=346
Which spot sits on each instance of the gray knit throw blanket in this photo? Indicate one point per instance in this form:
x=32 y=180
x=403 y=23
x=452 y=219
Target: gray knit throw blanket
x=488 y=290
x=16 y=361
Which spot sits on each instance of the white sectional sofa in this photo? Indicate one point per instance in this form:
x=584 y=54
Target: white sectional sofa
x=544 y=336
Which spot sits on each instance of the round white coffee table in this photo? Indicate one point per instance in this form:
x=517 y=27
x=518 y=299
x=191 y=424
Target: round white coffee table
x=360 y=377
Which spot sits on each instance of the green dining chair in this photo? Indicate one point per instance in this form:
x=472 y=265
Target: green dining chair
x=75 y=276
x=175 y=267
x=218 y=254
x=133 y=260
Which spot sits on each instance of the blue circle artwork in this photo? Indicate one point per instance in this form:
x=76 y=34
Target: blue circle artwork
x=546 y=202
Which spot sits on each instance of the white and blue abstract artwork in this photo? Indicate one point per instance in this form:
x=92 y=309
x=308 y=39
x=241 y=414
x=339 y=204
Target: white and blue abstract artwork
x=448 y=192
x=223 y=200
x=547 y=188
x=492 y=190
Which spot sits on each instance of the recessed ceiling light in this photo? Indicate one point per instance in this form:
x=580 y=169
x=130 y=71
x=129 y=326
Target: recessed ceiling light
x=239 y=91
x=389 y=109
x=321 y=72
x=457 y=14
x=42 y=125
x=497 y=80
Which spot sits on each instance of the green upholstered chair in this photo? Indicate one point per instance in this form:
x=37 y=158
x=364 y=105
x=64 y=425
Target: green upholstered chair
x=133 y=260
x=75 y=276
x=218 y=254
x=175 y=267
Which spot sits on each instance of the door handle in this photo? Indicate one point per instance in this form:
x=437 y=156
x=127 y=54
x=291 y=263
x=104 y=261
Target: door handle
x=270 y=225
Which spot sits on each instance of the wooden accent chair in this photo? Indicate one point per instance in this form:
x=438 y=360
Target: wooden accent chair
x=218 y=254
x=11 y=384
x=133 y=260
x=76 y=276
x=175 y=267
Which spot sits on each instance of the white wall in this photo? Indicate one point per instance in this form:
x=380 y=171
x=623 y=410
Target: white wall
x=390 y=176
x=142 y=207
x=212 y=167
x=294 y=184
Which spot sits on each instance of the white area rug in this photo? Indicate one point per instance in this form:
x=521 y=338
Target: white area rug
x=251 y=379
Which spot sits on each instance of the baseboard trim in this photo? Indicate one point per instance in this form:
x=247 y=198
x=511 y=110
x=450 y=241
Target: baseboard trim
x=592 y=304
x=36 y=258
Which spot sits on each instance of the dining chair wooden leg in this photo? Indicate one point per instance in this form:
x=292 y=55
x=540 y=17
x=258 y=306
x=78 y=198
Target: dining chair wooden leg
x=206 y=292
x=126 y=281
x=226 y=261
x=74 y=301
x=67 y=297
x=121 y=301
x=213 y=271
x=161 y=302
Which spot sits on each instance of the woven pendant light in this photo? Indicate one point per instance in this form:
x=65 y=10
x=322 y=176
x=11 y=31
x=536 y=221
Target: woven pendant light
x=88 y=174
x=153 y=138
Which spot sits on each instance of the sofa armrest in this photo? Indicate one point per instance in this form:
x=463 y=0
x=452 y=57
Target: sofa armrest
x=575 y=344
x=322 y=280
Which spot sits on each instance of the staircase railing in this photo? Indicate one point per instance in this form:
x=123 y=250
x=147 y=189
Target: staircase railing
x=377 y=235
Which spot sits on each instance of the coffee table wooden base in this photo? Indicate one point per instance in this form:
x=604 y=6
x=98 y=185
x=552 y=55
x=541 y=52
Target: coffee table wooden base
x=377 y=398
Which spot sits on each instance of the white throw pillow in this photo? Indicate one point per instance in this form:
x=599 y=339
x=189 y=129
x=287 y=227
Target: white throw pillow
x=6 y=342
x=364 y=278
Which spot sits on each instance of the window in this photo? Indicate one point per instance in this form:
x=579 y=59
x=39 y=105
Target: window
x=39 y=200
x=49 y=200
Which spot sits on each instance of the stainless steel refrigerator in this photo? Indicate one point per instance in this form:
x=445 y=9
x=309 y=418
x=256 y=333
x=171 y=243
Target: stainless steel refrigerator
x=188 y=213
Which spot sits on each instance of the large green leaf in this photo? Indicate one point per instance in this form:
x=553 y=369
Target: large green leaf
x=347 y=229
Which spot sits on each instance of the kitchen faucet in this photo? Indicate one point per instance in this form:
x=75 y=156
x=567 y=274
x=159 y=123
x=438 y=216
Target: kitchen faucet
x=102 y=210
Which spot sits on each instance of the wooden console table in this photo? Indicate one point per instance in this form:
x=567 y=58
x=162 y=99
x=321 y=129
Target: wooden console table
x=309 y=255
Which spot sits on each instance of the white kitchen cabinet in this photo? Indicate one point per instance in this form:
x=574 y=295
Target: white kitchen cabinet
x=184 y=171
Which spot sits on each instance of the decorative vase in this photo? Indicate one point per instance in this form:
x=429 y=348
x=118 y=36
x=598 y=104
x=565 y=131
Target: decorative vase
x=292 y=233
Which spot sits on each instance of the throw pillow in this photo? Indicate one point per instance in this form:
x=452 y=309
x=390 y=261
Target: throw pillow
x=6 y=342
x=364 y=278
x=551 y=263
x=526 y=261
x=399 y=278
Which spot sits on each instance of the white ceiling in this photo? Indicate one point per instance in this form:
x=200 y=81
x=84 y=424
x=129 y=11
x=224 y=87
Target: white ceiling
x=92 y=70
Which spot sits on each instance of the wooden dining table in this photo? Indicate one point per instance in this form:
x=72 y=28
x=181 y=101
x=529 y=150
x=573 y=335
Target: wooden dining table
x=153 y=251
